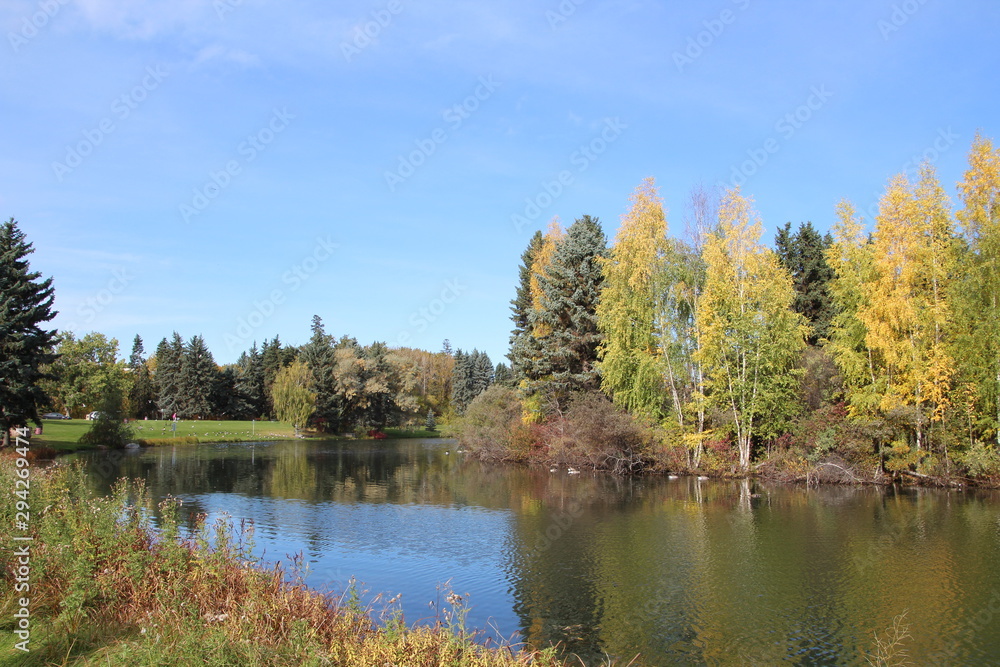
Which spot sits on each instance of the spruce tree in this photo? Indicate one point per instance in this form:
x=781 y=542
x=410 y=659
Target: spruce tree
x=318 y=355
x=142 y=395
x=502 y=376
x=168 y=370
x=250 y=383
x=482 y=372
x=25 y=304
x=274 y=357
x=197 y=376
x=430 y=424
x=462 y=381
x=225 y=398
x=570 y=291
x=804 y=255
x=520 y=354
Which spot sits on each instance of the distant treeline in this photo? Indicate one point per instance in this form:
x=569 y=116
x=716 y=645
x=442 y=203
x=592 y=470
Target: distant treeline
x=351 y=386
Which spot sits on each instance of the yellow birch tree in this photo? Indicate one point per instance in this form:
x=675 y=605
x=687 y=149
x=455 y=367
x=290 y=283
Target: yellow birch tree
x=752 y=337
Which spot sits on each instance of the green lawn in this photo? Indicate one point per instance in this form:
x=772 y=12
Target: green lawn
x=64 y=435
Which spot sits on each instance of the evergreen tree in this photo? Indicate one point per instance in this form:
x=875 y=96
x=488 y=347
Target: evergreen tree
x=521 y=306
x=250 y=384
x=197 y=376
x=446 y=347
x=503 y=376
x=318 y=355
x=565 y=322
x=25 y=304
x=142 y=395
x=482 y=372
x=169 y=356
x=430 y=424
x=804 y=255
x=462 y=381
x=274 y=357
x=225 y=397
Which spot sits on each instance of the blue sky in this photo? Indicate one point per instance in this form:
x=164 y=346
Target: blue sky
x=231 y=168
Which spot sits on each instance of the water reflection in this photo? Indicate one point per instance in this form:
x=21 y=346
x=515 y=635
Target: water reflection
x=682 y=571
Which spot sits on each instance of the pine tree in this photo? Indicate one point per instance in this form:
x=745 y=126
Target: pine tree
x=564 y=321
x=803 y=254
x=197 y=376
x=168 y=371
x=753 y=339
x=25 y=305
x=430 y=424
x=142 y=395
x=631 y=363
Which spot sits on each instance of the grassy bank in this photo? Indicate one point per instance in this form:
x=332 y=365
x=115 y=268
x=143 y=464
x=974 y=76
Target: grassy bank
x=64 y=435
x=108 y=589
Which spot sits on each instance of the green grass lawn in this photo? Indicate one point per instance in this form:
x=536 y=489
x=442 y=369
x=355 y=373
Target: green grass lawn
x=64 y=435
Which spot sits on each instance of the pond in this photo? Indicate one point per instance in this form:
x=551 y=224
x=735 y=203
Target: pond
x=681 y=571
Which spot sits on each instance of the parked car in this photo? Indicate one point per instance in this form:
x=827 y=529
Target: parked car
x=54 y=415
x=93 y=415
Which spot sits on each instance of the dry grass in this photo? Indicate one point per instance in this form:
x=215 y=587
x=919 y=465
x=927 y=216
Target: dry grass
x=108 y=589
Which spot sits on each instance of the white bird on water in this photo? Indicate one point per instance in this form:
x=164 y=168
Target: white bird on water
x=572 y=471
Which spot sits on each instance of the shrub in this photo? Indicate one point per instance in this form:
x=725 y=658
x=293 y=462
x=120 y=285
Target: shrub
x=492 y=426
x=602 y=436
x=981 y=460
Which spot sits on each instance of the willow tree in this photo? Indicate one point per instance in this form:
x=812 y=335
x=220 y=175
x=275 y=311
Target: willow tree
x=907 y=311
x=752 y=337
x=631 y=363
x=979 y=311
x=294 y=400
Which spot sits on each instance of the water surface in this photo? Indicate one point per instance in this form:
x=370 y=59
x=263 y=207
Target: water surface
x=680 y=571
